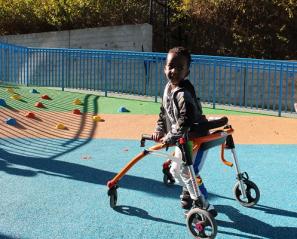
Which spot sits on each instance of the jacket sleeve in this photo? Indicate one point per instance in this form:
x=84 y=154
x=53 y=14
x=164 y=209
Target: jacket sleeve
x=161 y=127
x=184 y=120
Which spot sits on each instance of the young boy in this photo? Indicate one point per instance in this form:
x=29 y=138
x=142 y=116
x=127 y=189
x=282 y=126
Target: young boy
x=179 y=111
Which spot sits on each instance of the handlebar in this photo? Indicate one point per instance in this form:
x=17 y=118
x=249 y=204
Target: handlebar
x=145 y=137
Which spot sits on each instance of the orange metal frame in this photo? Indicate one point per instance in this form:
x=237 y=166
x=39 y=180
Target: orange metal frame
x=197 y=144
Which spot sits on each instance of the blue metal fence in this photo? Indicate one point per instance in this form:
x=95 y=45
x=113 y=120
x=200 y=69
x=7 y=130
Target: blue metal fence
x=243 y=82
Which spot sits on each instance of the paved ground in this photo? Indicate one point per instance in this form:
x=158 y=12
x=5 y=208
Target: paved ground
x=53 y=182
x=56 y=188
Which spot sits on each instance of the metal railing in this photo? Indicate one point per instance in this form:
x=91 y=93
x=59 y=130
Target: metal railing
x=243 y=82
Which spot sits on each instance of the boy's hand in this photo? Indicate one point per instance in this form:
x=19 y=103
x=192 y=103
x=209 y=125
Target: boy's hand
x=156 y=136
x=162 y=140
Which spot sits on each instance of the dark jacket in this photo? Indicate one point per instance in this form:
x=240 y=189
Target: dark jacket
x=180 y=111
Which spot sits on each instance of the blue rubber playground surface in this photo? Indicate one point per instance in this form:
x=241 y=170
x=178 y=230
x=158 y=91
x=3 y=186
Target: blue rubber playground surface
x=60 y=192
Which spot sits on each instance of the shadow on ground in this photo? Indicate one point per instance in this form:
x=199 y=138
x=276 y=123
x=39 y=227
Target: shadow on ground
x=251 y=225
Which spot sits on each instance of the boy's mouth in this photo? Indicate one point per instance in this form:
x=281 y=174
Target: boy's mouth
x=173 y=80
x=172 y=77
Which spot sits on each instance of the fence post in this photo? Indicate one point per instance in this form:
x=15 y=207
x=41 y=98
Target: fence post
x=5 y=58
x=27 y=66
x=280 y=91
x=214 y=86
x=245 y=87
x=106 y=60
x=146 y=79
x=63 y=74
x=156 y=82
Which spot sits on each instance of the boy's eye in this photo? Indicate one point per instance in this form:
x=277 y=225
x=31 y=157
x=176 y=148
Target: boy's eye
x=179 y=68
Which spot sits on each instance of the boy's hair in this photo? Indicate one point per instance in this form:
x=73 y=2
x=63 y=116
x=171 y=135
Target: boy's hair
x=182 y=51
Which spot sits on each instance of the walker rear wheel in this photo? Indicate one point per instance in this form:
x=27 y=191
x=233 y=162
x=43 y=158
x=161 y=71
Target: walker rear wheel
x=201 y=224
x=252 y=193
x=113 y=196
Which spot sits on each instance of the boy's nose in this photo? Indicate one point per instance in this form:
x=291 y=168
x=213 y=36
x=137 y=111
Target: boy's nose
x=173 y=70
x=171 y=73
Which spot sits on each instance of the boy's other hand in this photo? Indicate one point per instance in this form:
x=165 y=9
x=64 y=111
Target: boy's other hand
x=156 y=136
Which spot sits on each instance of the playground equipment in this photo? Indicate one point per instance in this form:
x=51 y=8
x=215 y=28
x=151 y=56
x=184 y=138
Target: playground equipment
x=60 y=126
x=30 y=115
x=200 y=223
x=2 y=102
x=97 y=118
x=34 y=91
x=77 y=102
x=76 y=112
x=16 y=97
x=39 y=105
x=45 y=97
x=11 y=121
x=123 y=109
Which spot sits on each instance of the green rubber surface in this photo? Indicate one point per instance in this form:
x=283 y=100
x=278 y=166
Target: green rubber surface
x=62 y=101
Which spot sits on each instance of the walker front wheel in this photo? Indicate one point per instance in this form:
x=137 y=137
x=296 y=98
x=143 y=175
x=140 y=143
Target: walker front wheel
x=113 y=196
x=168 y=180
x=201 y=224
x=167 y=176
x=252 y=193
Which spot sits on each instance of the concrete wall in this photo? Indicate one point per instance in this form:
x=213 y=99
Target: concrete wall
x=125 y=37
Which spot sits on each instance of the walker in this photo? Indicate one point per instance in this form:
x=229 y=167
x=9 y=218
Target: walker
x=199 y=221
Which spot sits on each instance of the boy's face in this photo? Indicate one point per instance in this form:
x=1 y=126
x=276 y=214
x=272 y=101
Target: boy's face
x=176 y=68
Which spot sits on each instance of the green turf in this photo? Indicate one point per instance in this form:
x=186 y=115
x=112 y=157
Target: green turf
x=62 y=101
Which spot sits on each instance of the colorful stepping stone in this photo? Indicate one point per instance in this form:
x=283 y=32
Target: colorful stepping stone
x=77 y=102
x=39 y=105
x=11 y=121
x=76 y=112
x=2 y=102
x=60 y=126
x=123 y=109
x=97 y=118
x=34 y=91
x=16 y=97
x=30 y=115
x=45 y=97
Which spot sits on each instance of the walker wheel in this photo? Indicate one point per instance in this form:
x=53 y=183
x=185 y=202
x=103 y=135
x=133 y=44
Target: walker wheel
x=168 y=180
x=201 y=224
x=113 y=196
x=252 y=193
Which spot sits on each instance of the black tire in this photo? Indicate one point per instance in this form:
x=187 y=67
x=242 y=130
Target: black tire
x=113 y=197
x=167 y=180
x=252 y=193
x=201 y=224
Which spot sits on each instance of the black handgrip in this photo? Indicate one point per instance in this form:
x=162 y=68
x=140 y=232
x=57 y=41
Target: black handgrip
x=145 y=137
